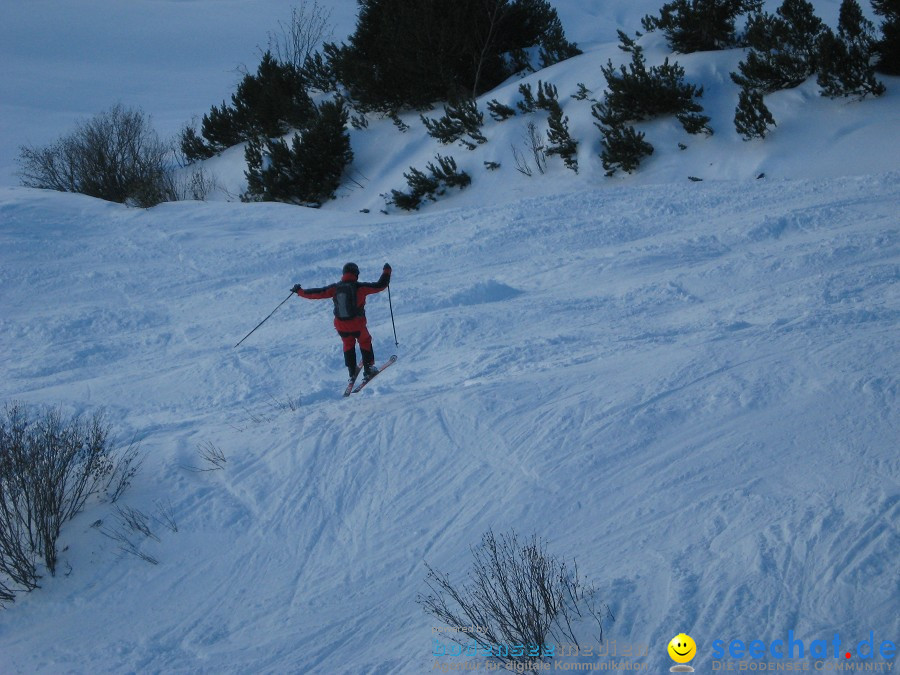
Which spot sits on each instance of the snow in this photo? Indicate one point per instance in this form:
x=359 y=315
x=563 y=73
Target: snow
x=689 y=387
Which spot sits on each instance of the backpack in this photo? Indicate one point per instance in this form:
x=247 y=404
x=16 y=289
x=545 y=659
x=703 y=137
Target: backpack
x=345 y=300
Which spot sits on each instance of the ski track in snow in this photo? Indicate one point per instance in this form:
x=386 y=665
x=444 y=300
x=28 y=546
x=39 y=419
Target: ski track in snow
x=691 y=389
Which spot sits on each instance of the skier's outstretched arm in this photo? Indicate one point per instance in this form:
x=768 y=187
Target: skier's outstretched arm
x=376 y=287
x=314 y=293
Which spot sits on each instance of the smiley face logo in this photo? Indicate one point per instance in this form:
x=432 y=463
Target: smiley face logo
x=682 y=648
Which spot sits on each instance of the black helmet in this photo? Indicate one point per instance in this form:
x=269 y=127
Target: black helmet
x=351 y=268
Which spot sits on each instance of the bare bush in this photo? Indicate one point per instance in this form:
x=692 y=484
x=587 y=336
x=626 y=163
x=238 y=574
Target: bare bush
x=284 y=405
x=295 y=42
x=17 y=561
x=116 y=156
x=533 y=145
x=166 y=516
x=136 y=521
x=522 y=165
x=198 y=185
x=213 y=458
x=120 y=469
x=517 y=595
x=49 y=468
x=133 y=527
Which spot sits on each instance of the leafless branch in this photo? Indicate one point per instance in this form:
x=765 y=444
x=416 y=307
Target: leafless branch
x=516 y=595
x=213 y=457
x=309 y=27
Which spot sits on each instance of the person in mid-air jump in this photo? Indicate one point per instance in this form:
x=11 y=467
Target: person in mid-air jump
x=349 y=295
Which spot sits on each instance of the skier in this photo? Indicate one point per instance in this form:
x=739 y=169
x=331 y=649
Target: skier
x=349 y=295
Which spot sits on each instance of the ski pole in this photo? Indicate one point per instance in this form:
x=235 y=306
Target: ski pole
x=396 y=344
x=266 y=319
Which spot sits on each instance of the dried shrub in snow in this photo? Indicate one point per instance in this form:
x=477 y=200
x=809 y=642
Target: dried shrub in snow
x=517 y=594
x=50 y=467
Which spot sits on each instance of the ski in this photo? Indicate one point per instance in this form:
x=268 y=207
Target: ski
x=352 y=381
x=384 y=365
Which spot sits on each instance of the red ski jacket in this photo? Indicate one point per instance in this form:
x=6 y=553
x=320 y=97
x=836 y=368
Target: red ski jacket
x=363 y=289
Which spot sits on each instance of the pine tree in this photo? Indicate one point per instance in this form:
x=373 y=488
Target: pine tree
x=638 y=93
x=802 y=28
x=408 y=201
x=267 y=164
x=700 y=25
x=783 y=48
x=308 y=171
x=326 y=151
x=547 y=97
x=527 y=104
x=752 y=118
x=623 y=148
x=408 y=53
x=460 y=119
x=844 y=59
x=583 y=93
x=271 y=102
x=193 y=146
x=553 y=44
x=422 y=186
x=889 y=45
x=318 y=71
x=447 y=174
x=499 y=111
x=561 y=142
x=266 y=104
x=220 y=128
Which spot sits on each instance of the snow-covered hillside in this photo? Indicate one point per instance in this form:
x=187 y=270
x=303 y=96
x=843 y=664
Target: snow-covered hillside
x=689 y=387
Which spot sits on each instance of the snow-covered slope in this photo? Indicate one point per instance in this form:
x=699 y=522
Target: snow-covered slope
x=68 y=61
x=815 y=137
x=689 y=387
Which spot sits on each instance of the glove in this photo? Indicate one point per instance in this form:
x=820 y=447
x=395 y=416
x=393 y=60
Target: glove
x=387 y=268
x=296 y=287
